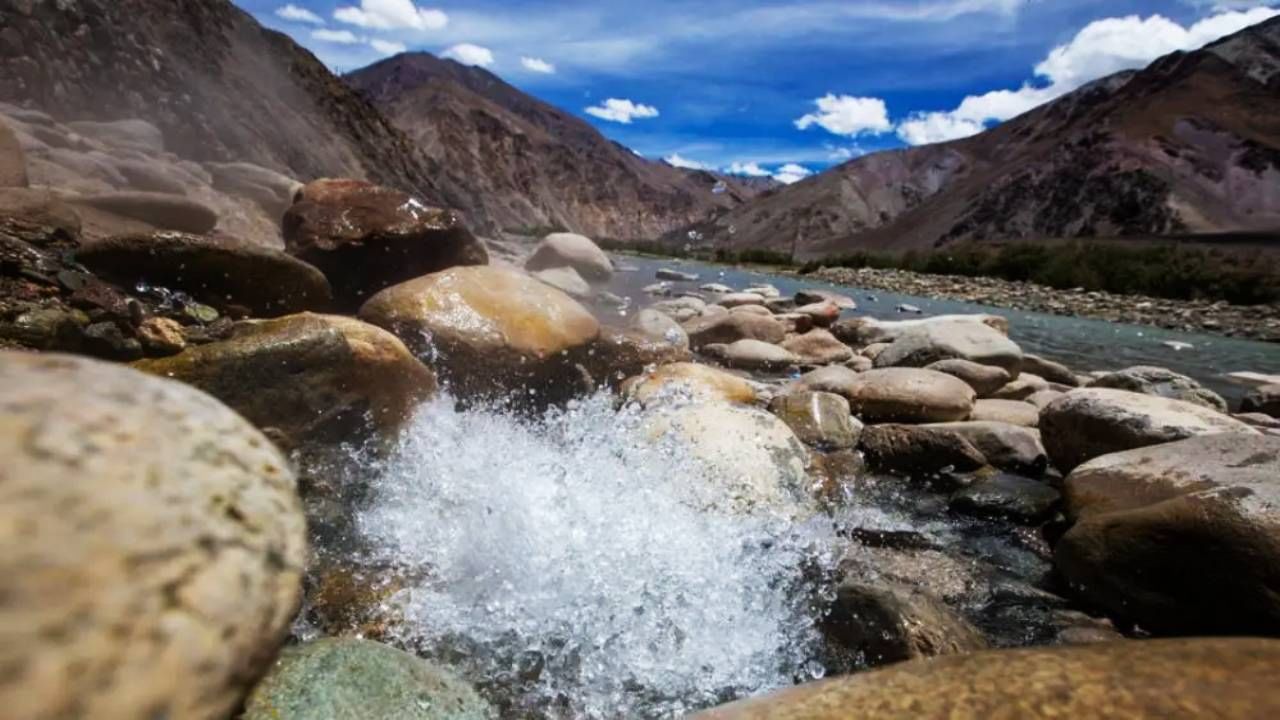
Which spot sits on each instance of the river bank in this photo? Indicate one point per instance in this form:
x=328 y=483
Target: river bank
x=1258 y=322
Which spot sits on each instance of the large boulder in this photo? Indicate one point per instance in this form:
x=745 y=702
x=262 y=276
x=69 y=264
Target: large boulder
x=907 y=395
x=13 y=162
x=153 y=541
x=490 y=331
x=1161 y=382
x=757 y=462
x=725 y=329
x=752 y=355
x=165 y=211
x=309 y=377
x=1088 y=423
x=972 y=341
x=819 y=419
x=1230 y=679
x=818 y=347
x=918 y=451
x=366 y=237
x=574 y=251
x=1265 y=400
x=352 y=679
x=1182 y=537
x=688 y=381
x=984 y=379
x=1009 y=447
x=220 y=272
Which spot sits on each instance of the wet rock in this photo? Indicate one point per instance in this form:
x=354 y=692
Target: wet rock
x=752 y=355
x=1007 y=497
x=308 y=377
x=165 y=211
x=681 y=309
x=818 y=347
x=13 y=162
x=908 y=395
x=489 y=331
x=1181 y=537
x=566 y=280
x=220 y=272
x=733 y=327
x=366 y=237
x=154 y=521
x=352 y=679
x=689 y=381
x=1088 y=423
x=1265 y=400
x=819 y=419
x=886 y=622
x=31 y=208
x=1025 y=386
x=733 y=300
x=984 y=379
x=1142 y=680
x=1162 y=383
x=573 y=251
x=761 y=462
x=823 y=314
x=971 y=341
x=161 y=336
x=914 y=450
x=106 y=340
x=1013 y=412
x=619 y=354
x=1051 y=371
x=809 y=297
x=1009 y=447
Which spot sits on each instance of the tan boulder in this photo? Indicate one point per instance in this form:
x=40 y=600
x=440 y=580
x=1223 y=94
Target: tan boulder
x=725 y=329
x=1014 y=412
x=818 y=347
x=689 y=380
x=752 y=355
x=984 y=379
x=972 y=341
x=575 y=251
x=908 y=395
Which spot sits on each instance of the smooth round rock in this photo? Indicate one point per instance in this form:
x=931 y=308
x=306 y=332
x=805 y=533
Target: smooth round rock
x=916 y=451
x=1161 y=382
x=818 y=347
x=165 y=211
x=725 y=329
x=1182 y=537
x=1026 y=385
x=574 y=251
x=819 y=419
x=218 y=272
x=1014 y=412
x=566 y=280
x=1228 y=679
x=1091 y=422
x=973 y=341
x=752 y=355
x=689 y=381
x=887 y=622
x=488 y=330
x=811 y=296
x=733 y=300
x=984 y=379
x=1008 y=497
x=1013 y=448
x=351 y=679
x=1054 y=372
x=365 y=237
x=908 y=395
x=153 y=541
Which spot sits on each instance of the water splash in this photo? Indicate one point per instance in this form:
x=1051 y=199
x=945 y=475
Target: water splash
x=575 y=570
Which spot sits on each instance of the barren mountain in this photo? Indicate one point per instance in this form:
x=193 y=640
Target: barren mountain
x=1189 y=145
x=530 y=164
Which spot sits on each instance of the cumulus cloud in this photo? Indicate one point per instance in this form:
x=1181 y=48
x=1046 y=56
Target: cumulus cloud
x=342 y=37
x=674 y=160
x=387 y=47
x=622 y=111
x=848 y=115
x=538 y=65
x=392 y=15
x=791 y=173
x=749 y=169
x=469 y=54
x=1102 y=48
x=294 y=13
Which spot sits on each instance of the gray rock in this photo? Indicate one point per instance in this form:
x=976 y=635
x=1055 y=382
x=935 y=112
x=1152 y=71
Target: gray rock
x=1161 y=382
x=565 y=279
x=909 y=395
x=161 y=210
x=973 y=341
x=675 y=275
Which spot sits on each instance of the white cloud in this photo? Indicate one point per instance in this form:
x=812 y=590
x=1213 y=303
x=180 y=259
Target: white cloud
x=674 y=160
x=469 y=54
x=392 y=15
x=297 y=14
x=1102 y=48
x=387 y=47
x=749 y=169
x=622 y=111
x=342 y=37
x=538 y=65
x=791 y=173
x=847 y=115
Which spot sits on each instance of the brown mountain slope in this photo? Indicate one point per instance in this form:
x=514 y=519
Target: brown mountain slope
x=1190 y=144
x=219 y=86
x=530 y=164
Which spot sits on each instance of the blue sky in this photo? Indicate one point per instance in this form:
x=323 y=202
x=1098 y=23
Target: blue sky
x=783 y=87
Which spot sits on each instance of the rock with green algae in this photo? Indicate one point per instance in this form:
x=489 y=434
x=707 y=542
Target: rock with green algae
x=350 y=679
x=1153 y=679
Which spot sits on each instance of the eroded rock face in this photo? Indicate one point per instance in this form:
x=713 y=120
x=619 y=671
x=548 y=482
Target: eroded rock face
x=907 y=395
x=819 y=419
x=350 y=679
x=366 y=237
x=574 y=251
x=1088 y=423
x=219 y=272
x=1147 y=680
x=1162 y=382
x=691 y=381
x=154 y=544
x=489 y=330
x=1182 y=537
x=309 y=377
